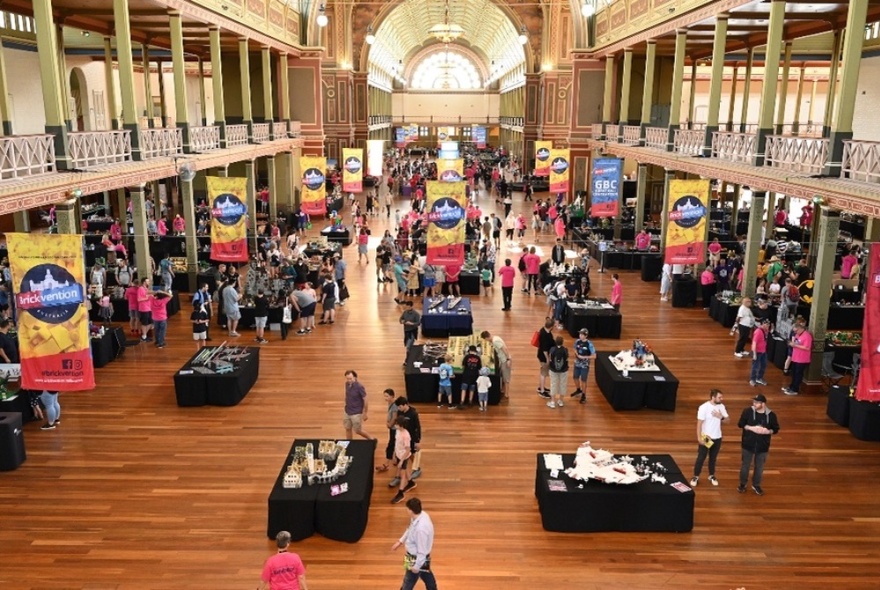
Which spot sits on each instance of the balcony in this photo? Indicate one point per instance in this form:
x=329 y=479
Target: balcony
x=206 y=139
x=236 y=135
x=89 y=149
x=802 y=130
x=158 y=143
x=656 y=137
x=26 y=155
x=612 y=132
x=632 y=135
x=597 y=130
x=797 y=154
x=279 y=130
x=261 y=132
x=734 y=147
x=295 y=129
x=861 y=161
x=688 y=142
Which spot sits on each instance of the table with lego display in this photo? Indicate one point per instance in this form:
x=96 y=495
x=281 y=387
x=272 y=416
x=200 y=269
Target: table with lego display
x=627 y=387
x=443 y=317
x=596 y=315
x=422 y=373
x=217 y=375
x=330 y=502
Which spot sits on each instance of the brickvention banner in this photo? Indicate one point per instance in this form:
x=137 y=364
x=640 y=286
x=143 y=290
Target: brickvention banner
x=605 y=199
x=542 y=157
x=559 y=171
x=228 y=198
x=868 y=388
x=313 y=184
x=48 y=278
x=686 y=222
x=446 y=221
x=480 y=137
x=352 y=170
x=450 y=170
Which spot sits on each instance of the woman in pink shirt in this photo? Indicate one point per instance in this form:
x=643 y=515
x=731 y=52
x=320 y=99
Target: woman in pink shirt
x=162 y=228
x=707 y=282
x=145 y=309
x=452 y=273
x=159 y=312
x=533 y=270
x=508 y=277
x=801 y=347
x=714 y=252
x=559 y=226
x=179 y=225
x=115 y=231
x=616 y=292
x=131 y=296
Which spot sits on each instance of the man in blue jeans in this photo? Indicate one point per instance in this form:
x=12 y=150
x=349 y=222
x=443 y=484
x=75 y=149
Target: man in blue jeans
x=758 y=424
x=417 y=540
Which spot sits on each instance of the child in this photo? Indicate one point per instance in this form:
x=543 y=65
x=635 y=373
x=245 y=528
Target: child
x=199 y=319
x=483 y=385
x=486 y=276
x=558 y=373
x=471 y=366
x=402 y=453
x=445 y=382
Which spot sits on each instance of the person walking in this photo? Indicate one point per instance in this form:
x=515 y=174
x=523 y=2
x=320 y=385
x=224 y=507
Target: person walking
x=759 y=353
x=758 y=425
x=558 y=356
x=159 y=313
x=745 y=321
x=410 y=319
x=49 y=399
x=203 y=299
x=508 y=278
x=710 y=415
x=545 y=343
x=584 y=352
x=413 y=426
x=355 y=406
x=801 y=352
x=285 y=569
x=261 y=316
x=402 y=455
x=417 y=540
x=616 y=292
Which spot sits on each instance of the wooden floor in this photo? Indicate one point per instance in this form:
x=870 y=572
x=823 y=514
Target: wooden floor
x=134 y=492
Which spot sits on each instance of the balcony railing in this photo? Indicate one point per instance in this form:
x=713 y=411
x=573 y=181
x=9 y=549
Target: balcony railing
x=632 y=135
x=597 y=130
x=88 y=149
x=157 y=143
x=205 y=139
x=734 y=147
x=261 y=132
x=279 y=129
x=26 y=155
x=236 y=135
x=295 y=128
x=612 y=132
x=798 y=154
x=861 y=161
x=803 y=130
x=655 y=137
x=688 y=141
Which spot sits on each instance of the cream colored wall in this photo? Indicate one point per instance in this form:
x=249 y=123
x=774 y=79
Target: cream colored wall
x=424 y=105
x=22 y=68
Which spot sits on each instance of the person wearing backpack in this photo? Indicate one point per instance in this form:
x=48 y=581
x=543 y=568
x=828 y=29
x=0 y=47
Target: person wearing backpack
x=471 y=366
x=584 y=352
x=445 y=373
x=544 y=343
x=558 y=373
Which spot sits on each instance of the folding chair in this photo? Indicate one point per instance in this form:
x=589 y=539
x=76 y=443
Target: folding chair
x=830 y=377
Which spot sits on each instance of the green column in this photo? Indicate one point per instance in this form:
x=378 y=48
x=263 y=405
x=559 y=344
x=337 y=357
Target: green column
x=245 y=79
x=753 y=242
x=623 y=116
x=5 y=105
x=66 y=217
x=796 y=124
x=849 y=80
x=826 y=247
x=783 y=88
x=668 y=176
x=747 y=90
x=141 y=239
x=284 y=82
x=641 y=191
x=273 y=186
x=180 y=102
x=109 y=83
x=608 y=100
x=122 y=210
x=833 y=71
x=771 y=73
x=163 y=98
x=677 y=84
x=268 y=110
x=692 y=99
x=648 y=90
x=217 y=81
x=251 y=201
x=148 y=85
x=64 y=79
x=715 y=82
x=731 y=108
x=202 y=98
x=192 y=241
x=53 y=107
x=122 y=26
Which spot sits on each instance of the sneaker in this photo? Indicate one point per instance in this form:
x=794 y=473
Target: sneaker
x=544 y=393
x=551 y=405
x=788 y=391
x=560 y=403
x=583 y=399
x=398 y=498
x=758 y=490
x=416 y=474
x=741 y=488
x=451 y=406
x=47 y=427
x=234 y=334
x=664 y=299
x=301 y=332
x=694 y=481
x=394 y=482
x=577 y=392
x=263 y=341
x=752 y=383
x=713 y=480
x=439 y=405
x=410 y=486
x=760 y=382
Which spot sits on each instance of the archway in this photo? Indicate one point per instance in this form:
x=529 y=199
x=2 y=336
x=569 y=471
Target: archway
x=79 y=95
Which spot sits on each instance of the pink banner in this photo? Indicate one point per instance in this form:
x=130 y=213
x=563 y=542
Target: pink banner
x=868 y=388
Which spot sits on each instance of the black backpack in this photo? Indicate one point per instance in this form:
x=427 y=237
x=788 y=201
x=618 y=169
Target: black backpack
x=559 y=359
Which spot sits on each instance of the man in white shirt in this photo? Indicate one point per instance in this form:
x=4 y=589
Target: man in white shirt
x=709 y=418
x=745 y=321
x=418 y=540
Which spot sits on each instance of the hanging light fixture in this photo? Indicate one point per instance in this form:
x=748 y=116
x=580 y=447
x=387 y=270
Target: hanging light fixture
x=322 y=19
x=523 y=35
x=370 y=38
x=446 y=32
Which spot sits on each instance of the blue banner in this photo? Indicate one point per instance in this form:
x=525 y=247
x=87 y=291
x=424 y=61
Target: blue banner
x=605 y=197
x=400 y=137
x=480 y=137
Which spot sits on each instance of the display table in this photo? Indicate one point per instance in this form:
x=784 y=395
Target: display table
x=422 y=386
x=650 y=389
x=197 y=389
x=445 y=323
x=109 y=346
x=340 y=236
x=602 y=322
x=684 y=292
x=468 y=282
x=838 y=405
x=247 y=317
x=600 y=507
x=723 y=312
x=864 y=420
x=310 y=509
x=652 y=267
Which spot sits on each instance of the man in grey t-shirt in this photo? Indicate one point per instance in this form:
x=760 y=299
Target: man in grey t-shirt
x=304 y=303
x=231 y=297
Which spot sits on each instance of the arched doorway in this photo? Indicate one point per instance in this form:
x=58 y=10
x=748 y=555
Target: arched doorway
x=79 y=96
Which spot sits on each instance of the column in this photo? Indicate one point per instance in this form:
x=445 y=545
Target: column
x=192 y=240
x=747 y=90
x=180 y=106
x=66 y=214
x=148 y=85
x=124 y=57
x=273 y=185
x=783 y=88
x=223 y=171
x=202 y=98
x=623 y=116
x=813 y=88
x=163 y=99
x=826 y=245
x=849 y=80
x=63 y=78
x=50 y=82
x=122 y=211
x=296 y=175
x=284 y=83
x=5 y=106
x=641 y=192
x=22 y=222
x=677 y=83
x=715 y=82
x=112 y=109
x=692 y=104
x=217 y=81
x=268 y=110
x=796 y=124
x=648 y=90
x=251 y=202
x=731 y=107
x=245 y=78
x=668 y=176
x=771 y=73
x=141 y=239
x=753 y=243
x=833 y=71
x=608 y=99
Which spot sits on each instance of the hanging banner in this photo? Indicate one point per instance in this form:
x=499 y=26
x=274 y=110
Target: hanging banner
x=313 y=184
x=479 y=134
x=412 y=134
x=374 y=157
x=542 y=157
x=228 y=198
x=444 y=134
x=868 y=388
x=450 y=170
x=352 y=170
x=400 y=137
x=446 y=221
x=559 y=171
x=606 y=186
x=48 y=275
x=686 y=222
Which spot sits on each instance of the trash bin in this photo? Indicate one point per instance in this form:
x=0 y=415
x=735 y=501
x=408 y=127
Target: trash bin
x=11 y=441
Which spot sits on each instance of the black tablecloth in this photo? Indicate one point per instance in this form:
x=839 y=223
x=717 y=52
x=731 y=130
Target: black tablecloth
x=684 y=292
x=722 y=312
x=339 y=236
x=652 y=267
x=602 y=323
x=310 y=509
x=247 y=316
x=840 y=317
x=468 y=282
x=838 y=405
x=107 y=347
x=447 y=323
x=423 y=387
x=864 y=420
x=229 y=389
x=630 y=260
x=639 y=389
x=600 y=507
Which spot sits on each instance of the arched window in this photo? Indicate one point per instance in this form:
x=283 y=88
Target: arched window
x=446 y=70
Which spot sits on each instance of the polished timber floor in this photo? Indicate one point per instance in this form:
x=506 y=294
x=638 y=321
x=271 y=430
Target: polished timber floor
x=134 y=492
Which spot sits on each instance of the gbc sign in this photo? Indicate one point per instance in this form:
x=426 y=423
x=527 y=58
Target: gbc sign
x=604 y=185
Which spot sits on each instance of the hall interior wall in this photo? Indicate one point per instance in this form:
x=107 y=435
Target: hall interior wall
x=425 y=104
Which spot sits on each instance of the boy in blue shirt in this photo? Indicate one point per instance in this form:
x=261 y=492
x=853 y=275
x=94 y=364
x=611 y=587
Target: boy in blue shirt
x=445 y=382
x=584 y=352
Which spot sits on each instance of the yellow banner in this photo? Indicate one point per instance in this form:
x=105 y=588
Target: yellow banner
x=446 y=221
x=228 y=200
x=314 y=171
x=542 y=157
x=559 y=171
x=686 y=221
x=450 y=170
x=352 y=170
x=48 y=278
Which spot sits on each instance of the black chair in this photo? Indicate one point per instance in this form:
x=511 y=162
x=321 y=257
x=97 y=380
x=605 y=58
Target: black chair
x=830 y=377
x=851 y=370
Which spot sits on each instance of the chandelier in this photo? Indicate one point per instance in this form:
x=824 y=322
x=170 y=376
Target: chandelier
x=446 y=32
